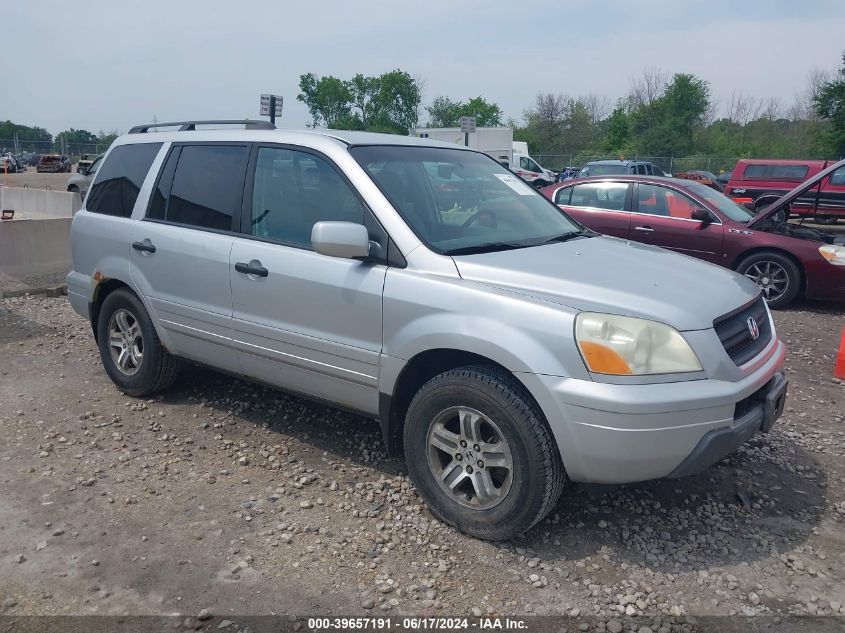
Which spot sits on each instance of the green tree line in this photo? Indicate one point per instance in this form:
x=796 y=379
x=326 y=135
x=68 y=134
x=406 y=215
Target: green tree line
x=662 y=115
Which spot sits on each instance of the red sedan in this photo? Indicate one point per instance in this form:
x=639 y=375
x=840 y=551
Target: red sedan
x=785 y=258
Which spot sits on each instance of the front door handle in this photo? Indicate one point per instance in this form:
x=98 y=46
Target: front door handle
x=645 y=229
x=145 y=247
x=252 y=268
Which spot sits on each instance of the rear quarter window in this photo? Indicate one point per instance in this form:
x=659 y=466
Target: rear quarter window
x=783 y=172
x=119 y=180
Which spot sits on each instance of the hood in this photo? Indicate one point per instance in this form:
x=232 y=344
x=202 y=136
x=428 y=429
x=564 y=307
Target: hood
x=804 y=187
x=603 y=274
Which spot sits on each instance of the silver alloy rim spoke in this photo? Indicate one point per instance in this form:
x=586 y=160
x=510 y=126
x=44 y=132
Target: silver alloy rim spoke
x=470 y=458
x=126 y=342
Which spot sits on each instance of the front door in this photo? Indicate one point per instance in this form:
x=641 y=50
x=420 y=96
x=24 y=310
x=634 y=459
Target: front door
x=304 y=321
x=663 y=217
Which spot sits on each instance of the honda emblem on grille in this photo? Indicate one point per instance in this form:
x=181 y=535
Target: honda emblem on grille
x=753 y=329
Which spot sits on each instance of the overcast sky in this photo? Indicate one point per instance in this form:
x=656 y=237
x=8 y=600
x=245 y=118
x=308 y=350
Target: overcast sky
x=100 y=65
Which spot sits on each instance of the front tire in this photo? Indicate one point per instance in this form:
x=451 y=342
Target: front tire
x=778 y=277
x=481 y=454
x=130 y=349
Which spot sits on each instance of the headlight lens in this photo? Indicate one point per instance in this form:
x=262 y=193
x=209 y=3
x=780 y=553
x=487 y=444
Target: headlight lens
x=833 y=254
x=620 y=345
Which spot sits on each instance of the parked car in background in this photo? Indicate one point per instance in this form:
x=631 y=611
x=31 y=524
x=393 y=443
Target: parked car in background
x=616 y=167
x=785 y=259
x=79 y=181
x=503 y=348
x=704 y=177
x=724 y=178
x=53 y=163
x=756 y=183
x=85 y=161
x=8 y=164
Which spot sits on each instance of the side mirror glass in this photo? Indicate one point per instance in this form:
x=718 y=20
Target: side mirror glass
x=346 y=240
x=702 y=215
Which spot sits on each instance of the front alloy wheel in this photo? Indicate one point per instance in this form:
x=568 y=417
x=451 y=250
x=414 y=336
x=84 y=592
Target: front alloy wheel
x=470 y=458
x=771 y=277
x=480 y=452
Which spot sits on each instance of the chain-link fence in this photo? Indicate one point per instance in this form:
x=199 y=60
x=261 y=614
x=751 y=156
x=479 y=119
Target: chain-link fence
x=73 y=150
x=669 y=164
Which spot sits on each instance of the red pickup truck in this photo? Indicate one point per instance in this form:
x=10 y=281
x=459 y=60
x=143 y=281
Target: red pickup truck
x=757 y=183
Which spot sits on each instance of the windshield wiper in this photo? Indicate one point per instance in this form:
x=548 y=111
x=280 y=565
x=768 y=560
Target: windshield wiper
x=565 y=237
x=489 y=247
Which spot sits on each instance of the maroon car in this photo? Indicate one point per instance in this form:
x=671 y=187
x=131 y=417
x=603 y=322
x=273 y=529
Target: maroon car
x=785 y=258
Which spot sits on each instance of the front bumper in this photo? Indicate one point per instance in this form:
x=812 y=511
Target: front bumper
x=759 y=413
x=622 y=433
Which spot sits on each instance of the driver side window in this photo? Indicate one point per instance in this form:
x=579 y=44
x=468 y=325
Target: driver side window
x=293 y=191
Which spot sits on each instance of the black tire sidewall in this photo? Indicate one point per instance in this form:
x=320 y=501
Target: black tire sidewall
x=516 y=512
x=792 y=271
x=144 y=380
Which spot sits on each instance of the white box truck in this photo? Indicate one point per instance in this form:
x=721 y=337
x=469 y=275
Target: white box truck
x=496 y=142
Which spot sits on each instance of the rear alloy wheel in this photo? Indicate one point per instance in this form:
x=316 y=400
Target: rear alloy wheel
x=481 y=454
x=777 y=276
x=130 y=349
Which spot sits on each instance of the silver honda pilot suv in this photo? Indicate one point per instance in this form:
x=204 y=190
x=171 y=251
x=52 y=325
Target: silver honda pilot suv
x=504 y=348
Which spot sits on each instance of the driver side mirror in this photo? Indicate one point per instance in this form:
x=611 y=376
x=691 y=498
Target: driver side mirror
x=703 y=216
x=346 y=240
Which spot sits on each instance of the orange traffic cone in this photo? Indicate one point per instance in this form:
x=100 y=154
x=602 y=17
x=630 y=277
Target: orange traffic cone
x=839 y=369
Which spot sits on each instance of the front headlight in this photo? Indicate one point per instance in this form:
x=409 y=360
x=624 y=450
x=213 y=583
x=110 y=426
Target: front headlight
x=833 y=254
x=620 y=345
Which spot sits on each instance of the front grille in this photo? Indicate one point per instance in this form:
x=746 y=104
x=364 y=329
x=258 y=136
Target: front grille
x=735 y=334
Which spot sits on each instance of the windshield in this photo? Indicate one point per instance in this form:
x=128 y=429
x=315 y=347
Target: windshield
x=601 y=170
x=459 y=202
x=724 y=204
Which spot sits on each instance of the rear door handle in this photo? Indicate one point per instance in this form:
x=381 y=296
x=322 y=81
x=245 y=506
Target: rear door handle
x=145 y=246
x=645 y=229
x=249 y=269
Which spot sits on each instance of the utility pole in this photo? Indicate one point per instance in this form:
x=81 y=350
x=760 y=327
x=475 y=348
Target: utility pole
x=273 y=109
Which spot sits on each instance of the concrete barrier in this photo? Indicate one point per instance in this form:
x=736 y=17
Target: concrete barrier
x=34 y=247
x=40 y=202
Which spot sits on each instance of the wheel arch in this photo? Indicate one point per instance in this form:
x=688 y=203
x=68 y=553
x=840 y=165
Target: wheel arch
x=415 y=373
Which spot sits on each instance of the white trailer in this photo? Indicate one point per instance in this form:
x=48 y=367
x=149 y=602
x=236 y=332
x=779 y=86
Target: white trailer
x=496 y=142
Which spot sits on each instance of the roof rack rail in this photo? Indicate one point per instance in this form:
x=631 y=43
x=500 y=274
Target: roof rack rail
x=186 y=126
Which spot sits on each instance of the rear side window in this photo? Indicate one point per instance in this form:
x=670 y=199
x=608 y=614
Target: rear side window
x=206 y=189
x=119 y=180
x=600 y=195
x=784 y=172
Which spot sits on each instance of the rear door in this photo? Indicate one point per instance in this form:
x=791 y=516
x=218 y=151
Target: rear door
x=180 y=252
x=663 y=217
x=305 y=322
x=601 y=206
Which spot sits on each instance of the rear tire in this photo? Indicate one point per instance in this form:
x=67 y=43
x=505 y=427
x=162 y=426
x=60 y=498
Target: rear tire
x=494 y=417
x=73 y=189
x=130 y=349
x=778 y=277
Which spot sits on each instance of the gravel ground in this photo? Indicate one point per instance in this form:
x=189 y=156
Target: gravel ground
x=226 y=496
